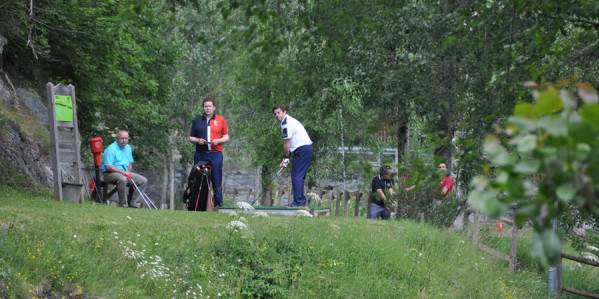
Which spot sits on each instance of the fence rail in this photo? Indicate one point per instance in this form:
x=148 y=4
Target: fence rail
x=560 y=285
x=511 y=258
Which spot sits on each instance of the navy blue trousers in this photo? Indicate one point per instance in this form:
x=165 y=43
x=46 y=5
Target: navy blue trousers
x=302 y=156
x=376 y=211
x=216 y=161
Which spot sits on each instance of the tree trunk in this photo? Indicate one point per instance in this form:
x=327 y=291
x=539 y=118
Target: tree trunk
x=402 y=129
x=171 y=169
x=163 y=194
x=266 y=184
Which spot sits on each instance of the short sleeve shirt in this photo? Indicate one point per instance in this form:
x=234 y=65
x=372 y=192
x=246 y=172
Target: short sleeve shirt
x=293 y=130
x=118 y=157
x=447 y=182
x=385 y=185
x=215 y=129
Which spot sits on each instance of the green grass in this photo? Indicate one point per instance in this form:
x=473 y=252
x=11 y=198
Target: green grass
x=55 y=249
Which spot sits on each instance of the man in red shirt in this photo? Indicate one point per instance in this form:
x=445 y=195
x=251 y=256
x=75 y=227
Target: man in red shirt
x=446 y=185
x=209 y=132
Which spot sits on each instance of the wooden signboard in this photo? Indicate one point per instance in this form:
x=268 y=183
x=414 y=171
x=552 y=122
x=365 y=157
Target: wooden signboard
x=64 y=135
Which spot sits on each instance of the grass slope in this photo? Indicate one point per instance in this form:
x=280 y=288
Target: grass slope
x=55 y=249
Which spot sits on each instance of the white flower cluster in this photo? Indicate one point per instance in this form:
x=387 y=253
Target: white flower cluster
x=261 y=215
x=303 y=213
x=153 y=268
x=237 y=225
x=589 y=256
x=314 y=197
x=244 y=206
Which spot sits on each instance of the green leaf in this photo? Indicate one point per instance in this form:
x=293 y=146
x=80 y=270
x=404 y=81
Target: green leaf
x=548 y=150
x=590 y=114
x=548 y=102
x=523 y=123
x=566 y=191
x=546 y=247
x=487 y=203
x=526 y=143
x=524 y=110
x=553 y=126
x=527 y=166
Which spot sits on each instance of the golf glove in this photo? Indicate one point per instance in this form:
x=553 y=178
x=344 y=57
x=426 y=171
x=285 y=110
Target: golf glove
x=285 y=162
x=127 y=175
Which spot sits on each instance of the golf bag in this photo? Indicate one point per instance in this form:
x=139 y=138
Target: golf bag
x=198 y=194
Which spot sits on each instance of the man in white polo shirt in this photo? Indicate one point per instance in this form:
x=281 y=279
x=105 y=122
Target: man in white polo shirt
x=297 y=142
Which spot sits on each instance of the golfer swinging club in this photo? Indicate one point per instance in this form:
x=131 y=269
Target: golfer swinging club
x=297 y=142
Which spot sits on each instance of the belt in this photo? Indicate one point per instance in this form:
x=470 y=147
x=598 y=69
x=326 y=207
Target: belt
x=206 y=152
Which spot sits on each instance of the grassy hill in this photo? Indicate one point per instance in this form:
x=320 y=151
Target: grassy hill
x=55 y=249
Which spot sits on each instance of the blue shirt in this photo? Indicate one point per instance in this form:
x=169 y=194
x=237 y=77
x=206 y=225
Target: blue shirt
x=118 y=157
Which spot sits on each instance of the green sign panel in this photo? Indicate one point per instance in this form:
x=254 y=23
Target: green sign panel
x=64 y=108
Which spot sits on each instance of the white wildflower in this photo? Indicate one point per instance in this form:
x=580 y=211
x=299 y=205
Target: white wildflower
x=589 y=256
x=242 y=219
x=303 y=213
x=313 y=197
x=236 y=225
x=261 y=215
x=593 y=248
x=233 y=215
x=244 y=206
x=129 y=218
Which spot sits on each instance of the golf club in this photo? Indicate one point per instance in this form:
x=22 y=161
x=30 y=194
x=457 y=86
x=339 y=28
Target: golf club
x=146 y=199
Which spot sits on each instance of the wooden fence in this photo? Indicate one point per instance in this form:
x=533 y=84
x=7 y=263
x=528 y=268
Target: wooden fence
x=476 y=243
x=335 y=198
x=560 y=286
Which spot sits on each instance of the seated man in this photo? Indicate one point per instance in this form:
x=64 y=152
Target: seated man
x=117 y=167
x=382 y=187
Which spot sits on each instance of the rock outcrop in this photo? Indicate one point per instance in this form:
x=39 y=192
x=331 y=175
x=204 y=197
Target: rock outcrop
x=25 y=146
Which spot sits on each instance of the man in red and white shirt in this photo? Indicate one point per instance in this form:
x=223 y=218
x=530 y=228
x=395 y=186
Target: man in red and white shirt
x=209 y=132
x=446 y=185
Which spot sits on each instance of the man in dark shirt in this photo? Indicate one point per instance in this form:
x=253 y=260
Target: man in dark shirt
x=209 y=132
x=382 y=187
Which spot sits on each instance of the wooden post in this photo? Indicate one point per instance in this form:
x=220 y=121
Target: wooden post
x=338 y=204
x=368 y=204
x=277 y=195
x=345 y=203
x=235 y=193
x=357 y=210
x=558 y=277
x=331 y=198
x=512 y=263
x=475 y=228
x=321 y=195
x=64 y=136
x=250 y=192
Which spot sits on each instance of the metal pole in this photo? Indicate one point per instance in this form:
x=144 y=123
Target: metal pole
x=342 y=146
x=552 y=280
x=98 y=186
